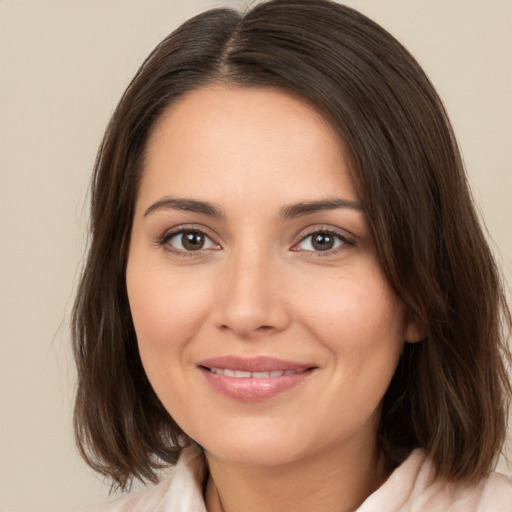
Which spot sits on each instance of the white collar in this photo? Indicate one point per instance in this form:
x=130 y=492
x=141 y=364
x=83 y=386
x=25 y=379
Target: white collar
x=412 y=486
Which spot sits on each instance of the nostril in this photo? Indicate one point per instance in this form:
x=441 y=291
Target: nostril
x=247 y=313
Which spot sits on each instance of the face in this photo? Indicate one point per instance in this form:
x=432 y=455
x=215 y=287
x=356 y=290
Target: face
x=263 y=318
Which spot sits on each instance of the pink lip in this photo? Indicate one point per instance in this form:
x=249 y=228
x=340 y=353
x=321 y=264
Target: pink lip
x=251 y=389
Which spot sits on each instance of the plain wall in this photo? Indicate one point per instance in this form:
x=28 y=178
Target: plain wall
x=63 y=67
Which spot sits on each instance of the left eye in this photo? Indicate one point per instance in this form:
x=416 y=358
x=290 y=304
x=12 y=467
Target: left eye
x=190 y=240
x=321 y=241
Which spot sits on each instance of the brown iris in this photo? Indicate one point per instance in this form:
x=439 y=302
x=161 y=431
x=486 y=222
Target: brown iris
x=193 y=240
x=322 y=241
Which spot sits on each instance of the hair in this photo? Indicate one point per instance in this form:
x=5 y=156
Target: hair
x=450 y=392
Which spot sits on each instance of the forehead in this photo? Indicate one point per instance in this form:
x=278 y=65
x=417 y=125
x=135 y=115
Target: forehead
x=248 y=139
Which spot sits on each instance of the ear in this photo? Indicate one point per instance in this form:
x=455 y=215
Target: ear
x=415 y=330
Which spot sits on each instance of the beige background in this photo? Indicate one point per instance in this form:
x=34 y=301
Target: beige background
x=63 y=66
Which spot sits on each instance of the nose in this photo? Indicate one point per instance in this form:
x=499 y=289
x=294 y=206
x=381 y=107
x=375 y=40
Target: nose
x=251 y=301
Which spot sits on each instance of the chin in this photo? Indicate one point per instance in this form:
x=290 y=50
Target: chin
x=254 y=454
x=264 y=448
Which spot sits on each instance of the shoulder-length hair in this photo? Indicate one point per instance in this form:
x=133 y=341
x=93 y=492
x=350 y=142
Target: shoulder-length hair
x=450 y=392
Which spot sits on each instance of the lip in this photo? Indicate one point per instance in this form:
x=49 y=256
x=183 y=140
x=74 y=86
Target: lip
x=283 y=375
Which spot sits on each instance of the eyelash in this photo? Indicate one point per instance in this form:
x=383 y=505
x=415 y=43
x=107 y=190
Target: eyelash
x=345 y=241
x=166 y=237
x=169 y=235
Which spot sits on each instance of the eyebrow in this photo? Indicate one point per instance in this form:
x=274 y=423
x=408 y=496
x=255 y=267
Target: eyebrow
x=188 y=205
x=288 y=212
x=310 y=207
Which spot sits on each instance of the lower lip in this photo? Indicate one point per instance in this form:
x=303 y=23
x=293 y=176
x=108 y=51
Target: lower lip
x=250 y=389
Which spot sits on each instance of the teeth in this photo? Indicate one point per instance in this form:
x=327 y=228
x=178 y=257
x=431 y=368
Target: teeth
x=255 y=375
x=261 y=375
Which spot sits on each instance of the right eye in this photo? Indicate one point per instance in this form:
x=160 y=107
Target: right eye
x=188 y=240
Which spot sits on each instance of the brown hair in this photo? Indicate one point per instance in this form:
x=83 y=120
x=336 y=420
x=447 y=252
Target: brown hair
x=450 y=392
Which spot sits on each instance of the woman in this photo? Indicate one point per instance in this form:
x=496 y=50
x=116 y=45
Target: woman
x=287 y=286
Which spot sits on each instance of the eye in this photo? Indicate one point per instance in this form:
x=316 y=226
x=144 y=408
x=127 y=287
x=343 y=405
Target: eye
x=188 y=240
x=321 y=241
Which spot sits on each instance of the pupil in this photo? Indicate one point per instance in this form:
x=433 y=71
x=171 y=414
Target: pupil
x=193 y=241
x=323 y=242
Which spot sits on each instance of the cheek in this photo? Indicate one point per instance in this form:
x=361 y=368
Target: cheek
x=361 y=322
x=166 y=310
x=353 y=311
x=364 y=335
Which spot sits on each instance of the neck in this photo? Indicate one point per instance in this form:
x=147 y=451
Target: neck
x=328 y=482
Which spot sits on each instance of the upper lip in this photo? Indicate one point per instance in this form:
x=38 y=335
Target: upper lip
x=254 y=364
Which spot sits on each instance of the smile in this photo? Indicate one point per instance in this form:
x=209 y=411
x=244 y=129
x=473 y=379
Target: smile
x=241 y=374
x=253 y=379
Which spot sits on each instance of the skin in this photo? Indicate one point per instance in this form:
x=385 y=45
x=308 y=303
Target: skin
x=260 y=287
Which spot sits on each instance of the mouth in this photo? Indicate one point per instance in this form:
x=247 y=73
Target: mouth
x=253 y=379
x=241 y=374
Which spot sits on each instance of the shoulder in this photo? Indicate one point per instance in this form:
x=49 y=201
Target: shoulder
x=413 y=486
x=147 y=499
x=180 y=490
x=496 y=494
x=492 y=494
